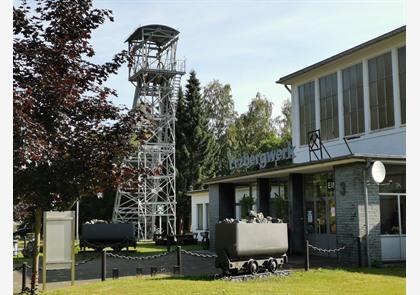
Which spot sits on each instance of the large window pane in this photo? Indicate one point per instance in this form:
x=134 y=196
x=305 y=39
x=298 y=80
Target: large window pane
x=199 y=216
x=354 y=116
x=401 y=72
x=394 y=181
x=321 y=218
x=403 y=216
x=207 y=216
x=389 y=215
x=381 y=91
x=306 y=110
x=329 y=106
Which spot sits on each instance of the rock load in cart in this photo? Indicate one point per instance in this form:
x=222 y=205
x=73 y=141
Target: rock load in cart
x=251 y=245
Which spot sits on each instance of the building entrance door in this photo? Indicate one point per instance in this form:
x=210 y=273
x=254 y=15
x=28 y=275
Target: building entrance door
x=320 y=217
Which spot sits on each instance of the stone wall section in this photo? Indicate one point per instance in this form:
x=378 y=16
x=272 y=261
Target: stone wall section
x=350 y=214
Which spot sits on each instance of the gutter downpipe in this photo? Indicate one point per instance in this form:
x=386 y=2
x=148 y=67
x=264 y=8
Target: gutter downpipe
x=287 y=88
x=366 y=217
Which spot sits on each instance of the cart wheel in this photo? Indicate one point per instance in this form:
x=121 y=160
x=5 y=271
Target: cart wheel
x=252 y=267
x=272 y=265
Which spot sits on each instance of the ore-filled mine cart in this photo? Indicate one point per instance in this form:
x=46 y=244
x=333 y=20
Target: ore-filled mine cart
x=250 y=247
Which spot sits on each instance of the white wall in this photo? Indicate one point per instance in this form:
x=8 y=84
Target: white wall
x=199 y=198
x=388 y=141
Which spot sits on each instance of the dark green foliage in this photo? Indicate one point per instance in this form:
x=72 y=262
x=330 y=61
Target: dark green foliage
x=194 y=142
x=280 y=207
x=255 y=131
x=194 y=146
x=246 y=205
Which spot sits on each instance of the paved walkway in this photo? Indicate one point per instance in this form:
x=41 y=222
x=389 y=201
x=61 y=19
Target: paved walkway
x=191 y=266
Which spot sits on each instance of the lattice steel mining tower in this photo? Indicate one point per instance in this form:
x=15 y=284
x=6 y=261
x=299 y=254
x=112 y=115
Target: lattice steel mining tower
x=150 y=202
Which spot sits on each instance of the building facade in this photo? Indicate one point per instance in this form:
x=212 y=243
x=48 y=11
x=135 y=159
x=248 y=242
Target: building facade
x=348 y=111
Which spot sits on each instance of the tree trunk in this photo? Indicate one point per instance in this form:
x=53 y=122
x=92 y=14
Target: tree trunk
x=35 y=264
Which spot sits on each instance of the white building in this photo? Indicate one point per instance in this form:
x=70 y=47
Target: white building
x=199 y=212
x=350 y=108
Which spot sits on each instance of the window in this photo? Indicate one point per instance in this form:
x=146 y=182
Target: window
x=380 y=91
x=199 y=216
x=401 y=73
x=207 y=216
x=320 y=215
x=389 y=215
x=279 y=205
x=402 y=213
x=395 y=179
x=329 y=106
x=306 y=110
x=354 y=116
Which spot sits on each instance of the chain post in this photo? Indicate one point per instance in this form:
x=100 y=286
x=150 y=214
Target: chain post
x=307 y=256
x=103 y=265
x=359 y=250
x=178 y=258
x=168 y=244
x=115 y=273
x=24 y=266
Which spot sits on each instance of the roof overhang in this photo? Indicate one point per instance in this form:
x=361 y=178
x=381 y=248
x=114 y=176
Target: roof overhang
x=305 y=168
x=161 y=33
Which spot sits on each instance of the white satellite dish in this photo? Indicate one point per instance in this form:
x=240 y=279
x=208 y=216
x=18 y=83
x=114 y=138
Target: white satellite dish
x=378 y=171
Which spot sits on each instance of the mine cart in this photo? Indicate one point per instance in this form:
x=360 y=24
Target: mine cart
x=102 y=235
x=250 y=247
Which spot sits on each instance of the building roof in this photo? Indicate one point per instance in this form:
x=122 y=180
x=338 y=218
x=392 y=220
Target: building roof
x=193 y=192
x=287 y=78
x=307 y=167
x=157 y=33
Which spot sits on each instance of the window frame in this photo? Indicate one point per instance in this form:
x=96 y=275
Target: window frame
x=400 y=84
x=359 y=110
x=327 y=84
x=307 y=105
x=200 y=219
x=381 y=99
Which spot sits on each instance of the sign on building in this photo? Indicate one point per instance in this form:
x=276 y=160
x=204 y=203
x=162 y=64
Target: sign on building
x=262 y=159
x=58 y=242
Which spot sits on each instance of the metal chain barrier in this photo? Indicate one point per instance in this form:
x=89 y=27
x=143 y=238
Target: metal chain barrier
x=327 y=250
x=198 y=254
x=148 y=257
x=87 y=260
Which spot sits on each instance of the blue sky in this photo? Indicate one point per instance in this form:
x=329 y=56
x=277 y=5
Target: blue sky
x=248 y=44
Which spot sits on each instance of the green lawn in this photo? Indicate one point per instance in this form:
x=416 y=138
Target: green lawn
x=321 y=281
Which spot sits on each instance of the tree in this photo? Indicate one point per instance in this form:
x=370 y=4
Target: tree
x=285 y=121
x=69 y=139
x=194 y=143
x=199 y=141
x=254 y=130
x=221 y=113
x=183 y=202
